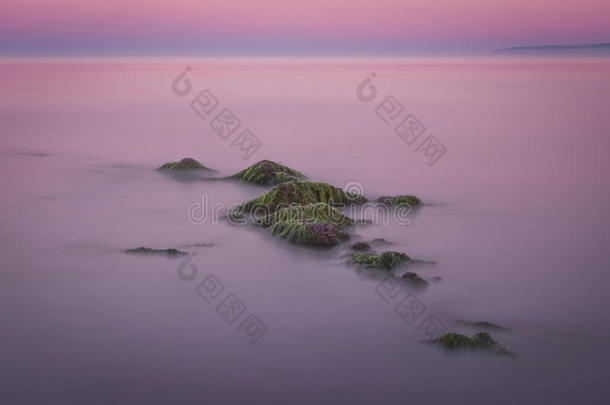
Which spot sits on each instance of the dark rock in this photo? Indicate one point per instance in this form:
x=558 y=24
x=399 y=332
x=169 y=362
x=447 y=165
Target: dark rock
x=184 y=164
x=414 y=279
x=268 y=172
x=385 y=260
x=410 y=200
x=479 y=341
x=481 y=325
x=148 y=251
x=360 y=246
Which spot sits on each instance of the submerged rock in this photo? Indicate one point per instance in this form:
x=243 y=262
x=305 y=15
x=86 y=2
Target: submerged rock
x=318 y=225
x=414 y=279
x=299 y=193
x=268 y=172
x=360 y=246
x=481 y=325
x=481 y=340
x=184 y=164
x=399 y=199
x=384 y=260
x=149 y=251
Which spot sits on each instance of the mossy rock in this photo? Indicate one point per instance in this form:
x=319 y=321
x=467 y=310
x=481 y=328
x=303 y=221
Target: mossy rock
x=384 y=260
x=299 y=193
x=148 y=251
x=313 y=234
x=481 y=325
x=414 y=279
x=268 y=172
x=479 y=341
x=400 y=199
x=360 y=246
x=311 y=213
x=184 y=164
x=317 y=225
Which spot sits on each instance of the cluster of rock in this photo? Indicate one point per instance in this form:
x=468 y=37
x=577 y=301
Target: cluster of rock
x=306 y=213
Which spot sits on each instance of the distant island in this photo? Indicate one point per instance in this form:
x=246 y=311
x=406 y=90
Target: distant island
x=595 y=49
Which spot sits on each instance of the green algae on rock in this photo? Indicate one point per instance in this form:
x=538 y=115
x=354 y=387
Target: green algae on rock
x=399 y=199
x=184 y=164
x=311 y=213
x=481 y=340
x=316 y=234
x=149 y=251
x=268 y=172
x=318 y=225
x=360 y=246
x=385 y=260
x=299 y=193
x=414 y=279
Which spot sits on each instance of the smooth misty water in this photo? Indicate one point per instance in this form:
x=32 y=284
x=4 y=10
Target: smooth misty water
x=516 y=218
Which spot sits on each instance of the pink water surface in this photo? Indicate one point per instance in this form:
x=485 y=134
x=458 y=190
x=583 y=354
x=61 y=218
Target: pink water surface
x=515 y=216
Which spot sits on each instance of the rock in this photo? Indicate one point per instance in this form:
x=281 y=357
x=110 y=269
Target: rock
x=268 y=172
x=317 y=234
x=481 y=325
x=360 y=246
x=385 y=260
x=184 y=164
x=298 y=193
x=414 y=279
x=311 y=213
x=380 y=241
x=411 y=200
x=479 y=341
x=148 y=251
x=318 y=225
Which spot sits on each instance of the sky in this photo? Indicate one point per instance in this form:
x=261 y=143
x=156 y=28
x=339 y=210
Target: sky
x=187 y=27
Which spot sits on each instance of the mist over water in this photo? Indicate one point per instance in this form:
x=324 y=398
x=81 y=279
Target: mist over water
x=515 y=218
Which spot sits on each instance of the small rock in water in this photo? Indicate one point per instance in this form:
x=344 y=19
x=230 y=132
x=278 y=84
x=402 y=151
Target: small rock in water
x=399 y=199
x=384 y=260
x=184 y=164
x=149 y=251
x=414 y=279
x=479 y=341
x=360 y=246
x=481 y=325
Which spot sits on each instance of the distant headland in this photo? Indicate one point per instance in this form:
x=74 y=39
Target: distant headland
x=595 y=49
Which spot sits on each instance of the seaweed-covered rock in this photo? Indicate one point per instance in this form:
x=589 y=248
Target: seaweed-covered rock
x=311 y=213
x=148 y=251
x=317 y=225
x=268 y=172
x=184 y=164
x=399 y=199
x=360 y=246
x=414 y=279
x=299 y=193
x=316 y=234
x=384 y=260
x=481 y=340
x=481 y=325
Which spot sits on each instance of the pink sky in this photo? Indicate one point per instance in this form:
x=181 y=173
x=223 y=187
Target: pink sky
x=161 y=26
